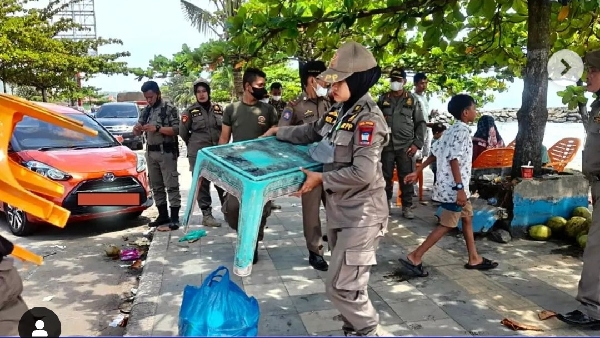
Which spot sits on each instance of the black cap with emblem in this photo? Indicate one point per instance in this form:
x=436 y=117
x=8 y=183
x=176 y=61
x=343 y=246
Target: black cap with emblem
x=397 y=73
x=311 y=68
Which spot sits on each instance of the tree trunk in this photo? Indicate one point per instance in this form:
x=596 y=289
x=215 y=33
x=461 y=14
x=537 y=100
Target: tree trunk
x=4 y=87
x=238 y=83
x=582 y=107
x=44 y=94
x=533 y=114
x=301 y=65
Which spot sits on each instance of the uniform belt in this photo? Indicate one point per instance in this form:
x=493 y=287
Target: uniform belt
x=164 y=147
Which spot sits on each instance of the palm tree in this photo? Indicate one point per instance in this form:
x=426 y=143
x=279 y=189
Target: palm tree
x=213 y=24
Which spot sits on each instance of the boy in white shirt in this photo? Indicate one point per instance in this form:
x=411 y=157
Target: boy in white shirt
x=452 y=153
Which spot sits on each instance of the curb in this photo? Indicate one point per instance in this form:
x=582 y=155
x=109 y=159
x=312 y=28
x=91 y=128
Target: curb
x=143 y=311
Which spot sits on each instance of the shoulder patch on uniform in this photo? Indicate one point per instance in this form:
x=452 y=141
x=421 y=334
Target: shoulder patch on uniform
x=331 y=117
x=287 y=114
x=216 y=107
x=184 y=118
x=365 y=131
x=262 y=120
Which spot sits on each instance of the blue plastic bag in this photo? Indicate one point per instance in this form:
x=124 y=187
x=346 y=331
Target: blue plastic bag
x=218 y=308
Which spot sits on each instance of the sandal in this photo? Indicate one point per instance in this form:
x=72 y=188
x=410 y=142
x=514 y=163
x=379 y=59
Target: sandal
x=416 y=270
x=486 y=264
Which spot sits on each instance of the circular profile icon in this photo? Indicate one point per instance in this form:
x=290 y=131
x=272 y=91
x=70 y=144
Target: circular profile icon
x=39 y=322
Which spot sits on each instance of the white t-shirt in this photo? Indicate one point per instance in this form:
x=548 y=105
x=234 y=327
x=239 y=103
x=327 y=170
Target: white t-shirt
x=455 y=143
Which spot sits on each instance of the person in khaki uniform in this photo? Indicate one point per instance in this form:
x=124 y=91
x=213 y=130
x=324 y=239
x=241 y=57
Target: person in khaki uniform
x=12 y=306
x=350 y=137
x=246 y=120
x=310 y=106
x=404 y=116
x=588 y=293
x=160 y=121
x=275 y=98
x=200 y=127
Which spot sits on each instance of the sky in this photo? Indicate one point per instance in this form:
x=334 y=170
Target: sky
x=154 y=27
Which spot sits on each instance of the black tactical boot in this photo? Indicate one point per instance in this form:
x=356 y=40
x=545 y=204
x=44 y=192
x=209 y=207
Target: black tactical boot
x=163 y=217
x=174 y=218
x=317 y=261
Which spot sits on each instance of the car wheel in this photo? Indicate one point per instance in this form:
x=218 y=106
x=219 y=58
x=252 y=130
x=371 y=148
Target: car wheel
x=17 y=221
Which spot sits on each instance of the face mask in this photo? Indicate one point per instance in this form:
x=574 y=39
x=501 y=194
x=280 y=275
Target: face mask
x=265 y=100
x=396 y=86
x=259 y=93
x=276 y=98
x=321 y=91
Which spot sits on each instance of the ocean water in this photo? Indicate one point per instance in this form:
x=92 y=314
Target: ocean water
x=554 y=132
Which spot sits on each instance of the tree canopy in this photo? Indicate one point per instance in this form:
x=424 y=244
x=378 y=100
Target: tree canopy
x=31 y=54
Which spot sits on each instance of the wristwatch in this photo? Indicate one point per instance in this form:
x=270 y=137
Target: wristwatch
x=458 y=186
x=157 y=128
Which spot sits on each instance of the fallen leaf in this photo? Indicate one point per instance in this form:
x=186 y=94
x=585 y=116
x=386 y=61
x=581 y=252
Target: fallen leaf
x=516 y=326
x=564 y=12
x=136 y=265
x=469 y=50
x=546 y=314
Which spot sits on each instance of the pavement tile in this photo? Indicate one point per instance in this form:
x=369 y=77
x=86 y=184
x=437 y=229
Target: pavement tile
x=281 y=325
x=442 y=327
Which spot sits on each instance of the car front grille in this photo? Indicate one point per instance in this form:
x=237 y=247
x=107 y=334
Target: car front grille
x=120 y=184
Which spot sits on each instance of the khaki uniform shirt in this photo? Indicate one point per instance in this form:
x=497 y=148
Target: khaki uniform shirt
x=304 y=110
x=354 y=184
x=171 y=120
x=200 y=128
x=404 y=117
x=249 y=122
x=591 y=149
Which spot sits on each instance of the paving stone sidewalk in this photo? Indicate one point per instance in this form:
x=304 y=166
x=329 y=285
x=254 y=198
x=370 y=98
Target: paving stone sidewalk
x=452 y=301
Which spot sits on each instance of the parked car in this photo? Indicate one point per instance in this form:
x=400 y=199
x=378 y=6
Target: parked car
x=119 y=118
x=88 y=167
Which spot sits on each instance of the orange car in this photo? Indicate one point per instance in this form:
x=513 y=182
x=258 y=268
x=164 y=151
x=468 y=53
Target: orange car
x=101 y=177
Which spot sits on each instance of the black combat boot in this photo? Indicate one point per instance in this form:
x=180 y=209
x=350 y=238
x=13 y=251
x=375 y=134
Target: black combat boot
x=317 y=261
x=174 y=218
x=163 y=217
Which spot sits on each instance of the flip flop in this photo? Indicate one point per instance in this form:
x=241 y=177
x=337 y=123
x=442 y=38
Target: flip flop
x=486 y=264
x=416 y=270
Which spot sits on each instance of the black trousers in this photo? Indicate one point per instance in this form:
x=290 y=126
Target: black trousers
x=398 y=159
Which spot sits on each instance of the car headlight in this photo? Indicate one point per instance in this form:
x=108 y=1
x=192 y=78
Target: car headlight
x=141 y=163
x=47 y=171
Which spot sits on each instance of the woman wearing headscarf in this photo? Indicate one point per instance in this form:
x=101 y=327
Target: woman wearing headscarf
x=350 y=137
x=200 y=127
x=486 y=136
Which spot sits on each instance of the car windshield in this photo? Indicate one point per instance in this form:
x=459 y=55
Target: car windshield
x=32 y=134
x=118 y=111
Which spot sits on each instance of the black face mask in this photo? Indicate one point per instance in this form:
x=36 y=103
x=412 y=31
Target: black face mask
x=259 y=93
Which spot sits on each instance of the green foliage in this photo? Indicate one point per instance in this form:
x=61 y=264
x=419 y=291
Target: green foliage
x=178 y=89
x=493 y=35
x=32 y=55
